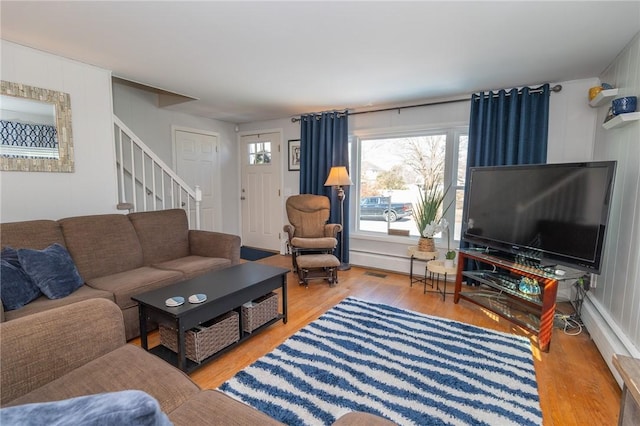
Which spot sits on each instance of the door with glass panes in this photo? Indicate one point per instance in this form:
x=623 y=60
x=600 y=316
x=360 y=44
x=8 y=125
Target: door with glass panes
x=260 y=191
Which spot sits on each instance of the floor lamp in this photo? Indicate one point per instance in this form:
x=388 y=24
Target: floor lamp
x=339 y=177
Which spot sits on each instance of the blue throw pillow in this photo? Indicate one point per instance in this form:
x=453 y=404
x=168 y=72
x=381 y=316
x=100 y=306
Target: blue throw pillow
x=16 y=288
x=52 y=270
x=131 y=407
x=10 y=255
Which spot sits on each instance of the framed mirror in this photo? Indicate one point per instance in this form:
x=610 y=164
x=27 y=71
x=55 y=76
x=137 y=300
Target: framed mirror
x=35 y=129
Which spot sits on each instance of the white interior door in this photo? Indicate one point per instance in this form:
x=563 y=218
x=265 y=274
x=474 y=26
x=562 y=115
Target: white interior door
x=197 y=163
x=260 y=186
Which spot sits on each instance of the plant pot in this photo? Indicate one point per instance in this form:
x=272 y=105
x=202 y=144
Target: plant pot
x=448 y=263
x=426 y=244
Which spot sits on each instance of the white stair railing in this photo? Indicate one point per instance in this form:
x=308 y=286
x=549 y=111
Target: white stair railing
x=146 y=183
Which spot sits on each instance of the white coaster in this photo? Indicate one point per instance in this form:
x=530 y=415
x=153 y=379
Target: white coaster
x=174 y=301
x=197 y=298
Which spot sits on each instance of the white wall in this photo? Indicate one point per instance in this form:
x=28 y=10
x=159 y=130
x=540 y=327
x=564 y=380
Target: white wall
x=571 y=122
x=138 y=109
x=612 y=310
x=91 y=189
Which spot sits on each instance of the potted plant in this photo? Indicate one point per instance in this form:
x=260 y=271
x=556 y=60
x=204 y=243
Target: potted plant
x=428 y=213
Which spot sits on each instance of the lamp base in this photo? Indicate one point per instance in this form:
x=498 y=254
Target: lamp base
x=344 y=267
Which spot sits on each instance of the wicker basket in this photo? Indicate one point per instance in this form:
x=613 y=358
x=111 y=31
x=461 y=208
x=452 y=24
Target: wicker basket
x=206 y=339
x=426 y=244
x=262 y=310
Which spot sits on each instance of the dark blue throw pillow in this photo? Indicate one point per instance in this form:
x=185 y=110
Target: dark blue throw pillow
x=131 y=407
x=10 y=255
x=52 y=270
x=16 y=288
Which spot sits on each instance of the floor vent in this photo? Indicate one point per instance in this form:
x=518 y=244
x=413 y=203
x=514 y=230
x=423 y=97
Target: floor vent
x=376 y=274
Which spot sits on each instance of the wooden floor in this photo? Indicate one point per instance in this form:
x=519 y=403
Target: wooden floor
x=574 y=383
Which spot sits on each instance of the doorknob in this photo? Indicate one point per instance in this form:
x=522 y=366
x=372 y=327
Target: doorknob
x=242 y=198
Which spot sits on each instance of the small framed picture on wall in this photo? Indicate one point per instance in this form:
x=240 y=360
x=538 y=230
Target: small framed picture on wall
x=294 y=154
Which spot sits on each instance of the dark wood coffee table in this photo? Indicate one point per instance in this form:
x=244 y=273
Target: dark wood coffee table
x=226 y=290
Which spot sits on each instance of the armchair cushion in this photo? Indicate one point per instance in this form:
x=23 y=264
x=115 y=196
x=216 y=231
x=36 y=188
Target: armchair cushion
x=314 y=243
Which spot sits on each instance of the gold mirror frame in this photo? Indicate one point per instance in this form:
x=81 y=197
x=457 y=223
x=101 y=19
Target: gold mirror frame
x=62 y=103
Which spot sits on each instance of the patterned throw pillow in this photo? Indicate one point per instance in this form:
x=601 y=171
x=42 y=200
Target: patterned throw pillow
x=16 y=288
x=52 y=270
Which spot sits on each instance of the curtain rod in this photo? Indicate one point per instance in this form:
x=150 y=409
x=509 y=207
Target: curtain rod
x=398 y=108
x=555 y=88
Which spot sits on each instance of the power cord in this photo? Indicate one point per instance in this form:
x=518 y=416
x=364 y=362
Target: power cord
x=571 y=324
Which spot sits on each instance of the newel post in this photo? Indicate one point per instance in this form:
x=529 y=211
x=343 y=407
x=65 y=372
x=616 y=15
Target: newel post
x=198 y=200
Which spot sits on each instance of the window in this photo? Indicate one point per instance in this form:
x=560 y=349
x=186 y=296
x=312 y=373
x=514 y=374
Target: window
x=259 y=153
x=394 y=168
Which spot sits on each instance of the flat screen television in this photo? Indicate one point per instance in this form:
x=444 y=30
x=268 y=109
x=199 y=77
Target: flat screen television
x=545 y=213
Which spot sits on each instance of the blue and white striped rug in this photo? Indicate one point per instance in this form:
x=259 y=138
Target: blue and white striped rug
x=411 y=368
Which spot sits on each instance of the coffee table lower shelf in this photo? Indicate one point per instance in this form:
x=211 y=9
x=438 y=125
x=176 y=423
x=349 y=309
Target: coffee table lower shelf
x=172 y=358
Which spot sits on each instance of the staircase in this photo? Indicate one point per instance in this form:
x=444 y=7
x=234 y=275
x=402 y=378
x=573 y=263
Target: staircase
x=146 y=183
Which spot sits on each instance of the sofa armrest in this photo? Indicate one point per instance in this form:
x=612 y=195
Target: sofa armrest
x=37 y=349
x=215 y=244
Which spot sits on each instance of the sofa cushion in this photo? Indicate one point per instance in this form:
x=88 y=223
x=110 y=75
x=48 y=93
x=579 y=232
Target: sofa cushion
x=102 y=244
x=127 y=367
x=40 y=348
x=360 y=418
x=52 y=270
x=163 y=234
x=123 y=285
x=43 y=303
x=127 y=407
x=212 y=407
x=34 y=234
x=193 y=266
x=16 y=288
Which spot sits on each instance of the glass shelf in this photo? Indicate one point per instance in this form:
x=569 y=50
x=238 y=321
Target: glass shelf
x=505 y=306
x=493 y=280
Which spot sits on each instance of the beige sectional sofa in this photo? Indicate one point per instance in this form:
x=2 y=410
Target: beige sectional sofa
x=120 y=255
x=80 y=349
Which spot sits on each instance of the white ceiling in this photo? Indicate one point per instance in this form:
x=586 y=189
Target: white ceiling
x=250 y=61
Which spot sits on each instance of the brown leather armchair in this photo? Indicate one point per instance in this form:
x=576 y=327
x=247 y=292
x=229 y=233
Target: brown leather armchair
x=308 y=230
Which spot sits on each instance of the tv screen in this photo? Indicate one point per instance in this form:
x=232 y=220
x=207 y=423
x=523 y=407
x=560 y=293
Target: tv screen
x=549 y=213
